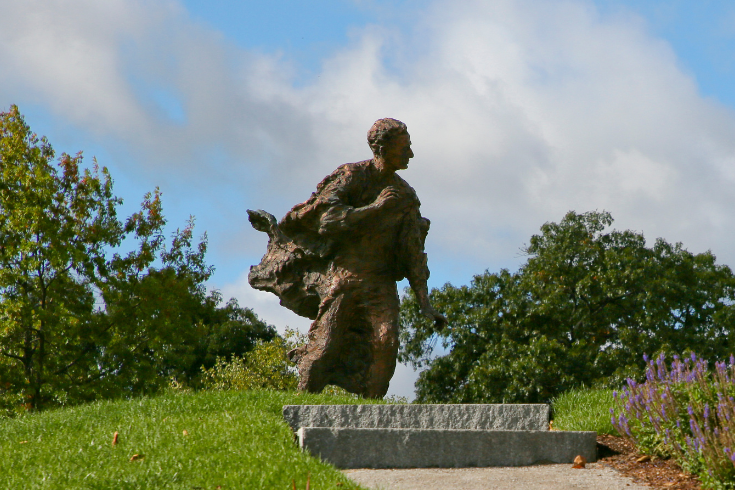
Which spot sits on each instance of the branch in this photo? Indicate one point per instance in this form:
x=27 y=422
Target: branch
x=8 y=354
x=85 y=351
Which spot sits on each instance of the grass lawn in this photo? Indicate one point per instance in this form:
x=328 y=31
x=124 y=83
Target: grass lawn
x=233 y=440
x=205 y=440
x=584 y=410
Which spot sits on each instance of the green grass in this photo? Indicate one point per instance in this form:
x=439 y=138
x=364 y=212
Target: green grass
x=584 y=409
x=235 y=440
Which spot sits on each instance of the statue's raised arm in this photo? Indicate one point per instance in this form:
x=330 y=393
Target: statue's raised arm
x=336 y=259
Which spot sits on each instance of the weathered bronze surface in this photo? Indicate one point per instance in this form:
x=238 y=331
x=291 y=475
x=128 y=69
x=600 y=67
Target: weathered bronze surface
x=336 y=258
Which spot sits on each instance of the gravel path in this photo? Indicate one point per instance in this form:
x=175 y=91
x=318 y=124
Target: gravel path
x=544 y=477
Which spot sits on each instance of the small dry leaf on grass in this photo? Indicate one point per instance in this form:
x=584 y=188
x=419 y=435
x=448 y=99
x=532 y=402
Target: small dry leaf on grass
x=643 y=459
x=137 y=457
x=186 y=432
x=551 y=425
x=579 y=462
x=115 y=438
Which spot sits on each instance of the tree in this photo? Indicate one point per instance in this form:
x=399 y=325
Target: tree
x=80 y=318
x=583 y=309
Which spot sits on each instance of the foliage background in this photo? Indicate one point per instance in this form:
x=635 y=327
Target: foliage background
x=582 y=311
x=93 y=306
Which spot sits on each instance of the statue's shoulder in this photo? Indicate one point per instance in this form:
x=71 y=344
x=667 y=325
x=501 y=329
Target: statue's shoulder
x=406 y=189
x=345 y=174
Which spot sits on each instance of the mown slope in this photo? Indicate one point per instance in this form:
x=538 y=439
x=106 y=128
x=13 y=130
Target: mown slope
x=233 y=440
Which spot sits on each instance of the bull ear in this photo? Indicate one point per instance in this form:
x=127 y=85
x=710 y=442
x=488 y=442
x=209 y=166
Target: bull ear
x=262 y=221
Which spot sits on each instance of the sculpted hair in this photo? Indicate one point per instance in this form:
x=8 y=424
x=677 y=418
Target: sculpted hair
x=383 y=131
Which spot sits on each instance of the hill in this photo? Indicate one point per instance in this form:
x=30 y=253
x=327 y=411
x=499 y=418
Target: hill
x=206 y=440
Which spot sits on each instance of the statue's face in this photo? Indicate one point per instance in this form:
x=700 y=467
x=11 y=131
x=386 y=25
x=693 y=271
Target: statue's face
x=397 y=153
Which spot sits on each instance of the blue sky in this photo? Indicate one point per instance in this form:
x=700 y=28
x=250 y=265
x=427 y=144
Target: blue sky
x=519 y=110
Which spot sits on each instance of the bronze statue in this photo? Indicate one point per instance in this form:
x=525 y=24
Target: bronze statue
x=336 y=258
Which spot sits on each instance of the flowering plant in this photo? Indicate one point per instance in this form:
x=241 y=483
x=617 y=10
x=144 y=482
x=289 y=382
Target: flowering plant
x=685 y=411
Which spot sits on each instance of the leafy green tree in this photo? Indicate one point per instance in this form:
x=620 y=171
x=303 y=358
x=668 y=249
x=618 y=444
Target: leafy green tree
x=583 y=309
x=221 y=332
x=81 y=319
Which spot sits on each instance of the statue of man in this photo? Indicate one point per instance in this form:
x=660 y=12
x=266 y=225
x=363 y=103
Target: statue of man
x=336 y=258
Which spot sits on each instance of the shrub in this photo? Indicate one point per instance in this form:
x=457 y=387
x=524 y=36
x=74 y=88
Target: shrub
x=685 y=411
x=266 y=366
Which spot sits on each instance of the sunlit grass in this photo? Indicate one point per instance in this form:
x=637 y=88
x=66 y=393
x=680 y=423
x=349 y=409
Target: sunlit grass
x=584 y=409
x=233 y=440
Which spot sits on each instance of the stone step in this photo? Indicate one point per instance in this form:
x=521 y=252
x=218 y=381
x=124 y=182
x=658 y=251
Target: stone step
x=348 y=448
x=469 y=416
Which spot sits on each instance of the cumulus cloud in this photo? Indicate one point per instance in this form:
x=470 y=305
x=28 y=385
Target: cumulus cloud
x=522 y=110
x=519 y=111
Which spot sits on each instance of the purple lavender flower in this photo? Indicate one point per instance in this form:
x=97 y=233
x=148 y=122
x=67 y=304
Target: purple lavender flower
x=660 y=363
x=694 y=357
x=645 y=358
x=720 y=366
x=706 y=411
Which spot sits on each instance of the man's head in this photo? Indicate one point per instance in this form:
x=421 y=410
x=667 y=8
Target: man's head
x=389 y=140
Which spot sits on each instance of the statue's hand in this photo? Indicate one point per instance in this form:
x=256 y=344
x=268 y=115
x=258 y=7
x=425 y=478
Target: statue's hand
x=440 y=321
x=387 y=197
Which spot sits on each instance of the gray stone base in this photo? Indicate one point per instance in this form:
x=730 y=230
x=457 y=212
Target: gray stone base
x=444 y=448
x=469 y=416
